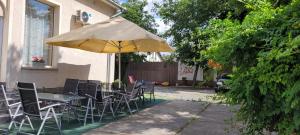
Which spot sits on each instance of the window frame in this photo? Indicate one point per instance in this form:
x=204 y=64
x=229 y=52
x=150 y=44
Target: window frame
x=49 y=65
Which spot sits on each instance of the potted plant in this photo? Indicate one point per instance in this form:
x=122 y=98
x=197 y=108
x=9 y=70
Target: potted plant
x=37 y=61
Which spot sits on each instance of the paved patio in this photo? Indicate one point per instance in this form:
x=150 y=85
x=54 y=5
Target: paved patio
x=182 y=114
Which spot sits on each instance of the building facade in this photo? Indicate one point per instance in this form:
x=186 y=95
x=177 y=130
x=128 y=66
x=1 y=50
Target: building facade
x=25 y=24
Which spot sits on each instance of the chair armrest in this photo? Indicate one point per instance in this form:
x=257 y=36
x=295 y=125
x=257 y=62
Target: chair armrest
x=89 y=96
x=72 y=93
x=14 y=104
x=107 y=97
x=50 y=106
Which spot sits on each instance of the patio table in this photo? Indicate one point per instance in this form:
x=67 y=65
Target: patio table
x=59 y=97
x=62 y=98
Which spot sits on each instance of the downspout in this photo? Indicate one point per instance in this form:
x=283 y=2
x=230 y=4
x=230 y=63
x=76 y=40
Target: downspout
x=119 y=12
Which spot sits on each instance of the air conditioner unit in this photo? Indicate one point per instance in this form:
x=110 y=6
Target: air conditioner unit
x=82 y=17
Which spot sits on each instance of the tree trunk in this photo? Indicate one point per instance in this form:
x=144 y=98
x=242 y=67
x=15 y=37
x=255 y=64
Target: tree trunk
x=195 y=76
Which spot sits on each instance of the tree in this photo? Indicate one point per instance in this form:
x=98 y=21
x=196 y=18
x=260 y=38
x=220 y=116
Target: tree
x=264 y=48
x=187 y=19
x=136 y=14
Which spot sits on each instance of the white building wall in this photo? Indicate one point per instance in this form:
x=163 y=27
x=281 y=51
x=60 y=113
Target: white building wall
x=67 y=63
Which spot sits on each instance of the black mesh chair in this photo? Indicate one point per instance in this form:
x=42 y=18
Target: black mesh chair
x=32 y=109
x=87 y=106
x=71 y=86
x=148 y=88
x=104 y=99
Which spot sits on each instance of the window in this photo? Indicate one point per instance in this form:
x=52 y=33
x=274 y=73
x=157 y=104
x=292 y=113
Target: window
x=39 y=23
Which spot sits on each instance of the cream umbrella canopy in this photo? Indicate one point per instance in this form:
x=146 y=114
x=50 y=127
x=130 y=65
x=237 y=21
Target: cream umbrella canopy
x=116 y=35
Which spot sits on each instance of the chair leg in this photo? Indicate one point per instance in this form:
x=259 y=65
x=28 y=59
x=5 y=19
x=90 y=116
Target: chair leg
x=56 y=121
x=92 y=111
x=119 y=104
x=86 y=112
x=104 y=107
x=99 y=114
x=111 y=108
x=13 y=116
x=136 y=105
x=11 y=123
x=128 y=106
x=43 y=122
x=21 y=125
x=30 y=123
x=68 y=106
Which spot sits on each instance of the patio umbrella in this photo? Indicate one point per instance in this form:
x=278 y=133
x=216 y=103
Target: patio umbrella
x=116 y=35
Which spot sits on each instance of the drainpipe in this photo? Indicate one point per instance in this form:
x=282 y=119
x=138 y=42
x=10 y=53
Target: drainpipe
x=120 y=11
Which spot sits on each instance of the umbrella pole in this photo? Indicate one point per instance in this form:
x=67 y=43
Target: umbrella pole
x=119 y=70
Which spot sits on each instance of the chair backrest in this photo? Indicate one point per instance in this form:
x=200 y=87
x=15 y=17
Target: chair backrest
x=81 y=88
x=99 y=95
x=87 y=88
x=4 y=84
x=136 y=89
x=149 y=86
x=3 y=95
x=91 y=89
x=71 y=85
x=29 y=99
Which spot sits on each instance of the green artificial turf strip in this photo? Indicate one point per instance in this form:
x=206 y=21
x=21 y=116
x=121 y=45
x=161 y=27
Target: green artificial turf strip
x=74 y=127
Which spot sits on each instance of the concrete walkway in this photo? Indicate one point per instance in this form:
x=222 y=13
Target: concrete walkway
x=215 y=120
x=181 y=115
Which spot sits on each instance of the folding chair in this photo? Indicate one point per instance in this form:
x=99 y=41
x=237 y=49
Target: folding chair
x=71 y=86
x=102 y=102
x=87 y=106
x=32 y=108
x=13 y=109
x=133 y=96
x=148 y=88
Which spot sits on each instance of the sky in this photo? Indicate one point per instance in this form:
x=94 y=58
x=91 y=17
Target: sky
x=161 y=26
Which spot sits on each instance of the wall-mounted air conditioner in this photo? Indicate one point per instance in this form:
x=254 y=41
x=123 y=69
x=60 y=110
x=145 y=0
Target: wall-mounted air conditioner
x=82 y=17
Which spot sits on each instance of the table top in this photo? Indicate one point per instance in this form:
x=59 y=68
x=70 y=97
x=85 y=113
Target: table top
x=59 y=97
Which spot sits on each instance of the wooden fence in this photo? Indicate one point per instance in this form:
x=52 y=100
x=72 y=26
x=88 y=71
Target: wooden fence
x=154 y=71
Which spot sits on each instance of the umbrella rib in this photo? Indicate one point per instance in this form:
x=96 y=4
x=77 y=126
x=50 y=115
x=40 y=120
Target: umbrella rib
x=134 y=44
x=83 y=42
x=115 y=45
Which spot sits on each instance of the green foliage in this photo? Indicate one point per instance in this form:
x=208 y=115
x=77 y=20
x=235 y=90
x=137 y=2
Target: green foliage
x=188 y=19
x=169 y=58
x=137 y=14
x=265 y=49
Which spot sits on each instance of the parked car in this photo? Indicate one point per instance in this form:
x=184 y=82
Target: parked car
x=220 y=84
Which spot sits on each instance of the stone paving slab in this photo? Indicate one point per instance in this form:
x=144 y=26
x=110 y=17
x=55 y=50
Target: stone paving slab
x=215 y=120
x=164 y=119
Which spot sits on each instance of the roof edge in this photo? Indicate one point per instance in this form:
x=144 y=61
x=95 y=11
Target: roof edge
x=115 y=4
